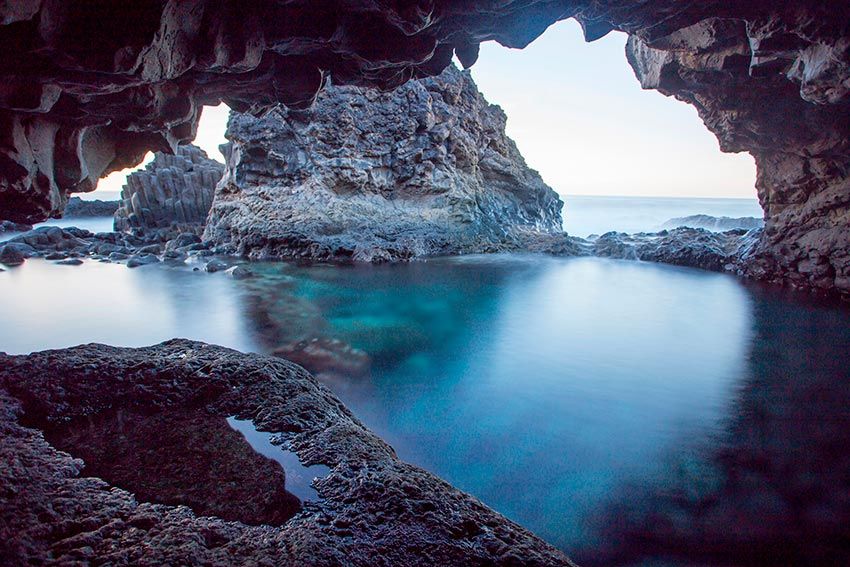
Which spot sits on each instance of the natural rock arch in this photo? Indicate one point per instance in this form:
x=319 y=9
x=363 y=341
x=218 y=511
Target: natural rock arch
x=88 y=87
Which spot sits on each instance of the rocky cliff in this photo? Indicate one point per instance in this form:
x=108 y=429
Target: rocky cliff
x=89 y=87
x=172 y=189
x=424 y=170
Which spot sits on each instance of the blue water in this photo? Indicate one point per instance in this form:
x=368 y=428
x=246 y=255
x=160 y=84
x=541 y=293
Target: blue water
x=629 y=413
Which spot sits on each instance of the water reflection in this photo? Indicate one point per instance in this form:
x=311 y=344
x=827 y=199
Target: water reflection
x=774 y=487
x=183 y=456
x=629 y=413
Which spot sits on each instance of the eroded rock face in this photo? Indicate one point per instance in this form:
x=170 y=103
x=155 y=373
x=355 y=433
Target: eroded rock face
x=424 y=170
x=90 y=86
x=689 y=247
x=372 y=508
x=171 y=190
x=778 y=89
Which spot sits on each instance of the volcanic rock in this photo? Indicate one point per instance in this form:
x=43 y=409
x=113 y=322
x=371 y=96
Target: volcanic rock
x=77 y=207
x=171 y=190
x=368 y=176
x=372 y=507
x=692 y=247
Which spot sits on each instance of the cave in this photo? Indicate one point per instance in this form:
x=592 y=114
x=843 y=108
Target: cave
x=91 y=87
x=766 y=78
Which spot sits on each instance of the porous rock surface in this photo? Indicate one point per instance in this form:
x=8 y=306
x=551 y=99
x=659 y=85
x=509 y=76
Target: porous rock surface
x=171 y=190
x=684 y=246
x=373 y=509
x=421 y=171
x=89 y=87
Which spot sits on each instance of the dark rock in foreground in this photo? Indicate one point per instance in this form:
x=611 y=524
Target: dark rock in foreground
x=715 y=224
x=172 y=189
x=77 y=207
x=373 y=509
x=426 y=170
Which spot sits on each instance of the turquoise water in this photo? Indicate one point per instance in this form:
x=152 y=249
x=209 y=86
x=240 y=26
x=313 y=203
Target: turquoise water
x=629 y=413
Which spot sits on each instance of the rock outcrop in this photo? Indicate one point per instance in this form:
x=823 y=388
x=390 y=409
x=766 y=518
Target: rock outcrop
x=372 y=508
x=95 y=208
x=171 y=190
x=716 y=224
x=689 y=247
x=369 y=176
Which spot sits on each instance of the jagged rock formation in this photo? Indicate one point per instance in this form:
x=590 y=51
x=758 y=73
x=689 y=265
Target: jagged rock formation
x=95 y=208
x=84 y=95
x=373 y=509
x=690 y=247
x=369 y=176
x=716 y=224
x=172 y=189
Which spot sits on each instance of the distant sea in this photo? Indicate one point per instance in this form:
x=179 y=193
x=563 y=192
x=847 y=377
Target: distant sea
x=585 y=215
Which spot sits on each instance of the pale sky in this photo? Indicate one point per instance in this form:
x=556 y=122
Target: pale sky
x=579 y=116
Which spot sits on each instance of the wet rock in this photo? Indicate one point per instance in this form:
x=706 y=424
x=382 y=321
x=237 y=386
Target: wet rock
x=142 y=260
x=77 y=207
x=9 y=226
x=172 y=191
x=379 y=177
x=215 y=266
x=11 y=255
x=692 y=247
x=70 y=262
x=372 y=507
x=239 y=273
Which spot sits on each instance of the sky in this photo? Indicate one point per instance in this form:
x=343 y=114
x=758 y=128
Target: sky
x=580 y=117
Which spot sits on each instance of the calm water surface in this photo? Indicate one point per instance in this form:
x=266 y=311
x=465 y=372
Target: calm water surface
x=628 y=413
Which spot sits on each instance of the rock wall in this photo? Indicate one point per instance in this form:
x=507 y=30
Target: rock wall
x=736 y=74
x=172 y=189
x=424 y=170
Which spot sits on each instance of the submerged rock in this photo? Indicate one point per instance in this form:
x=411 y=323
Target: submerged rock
x=326 y=357
x=142 y=260
x=239 y=273
x=375 y=177
x=372 y=507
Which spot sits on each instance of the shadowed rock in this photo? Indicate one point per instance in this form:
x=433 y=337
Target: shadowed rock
x=372 y=508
